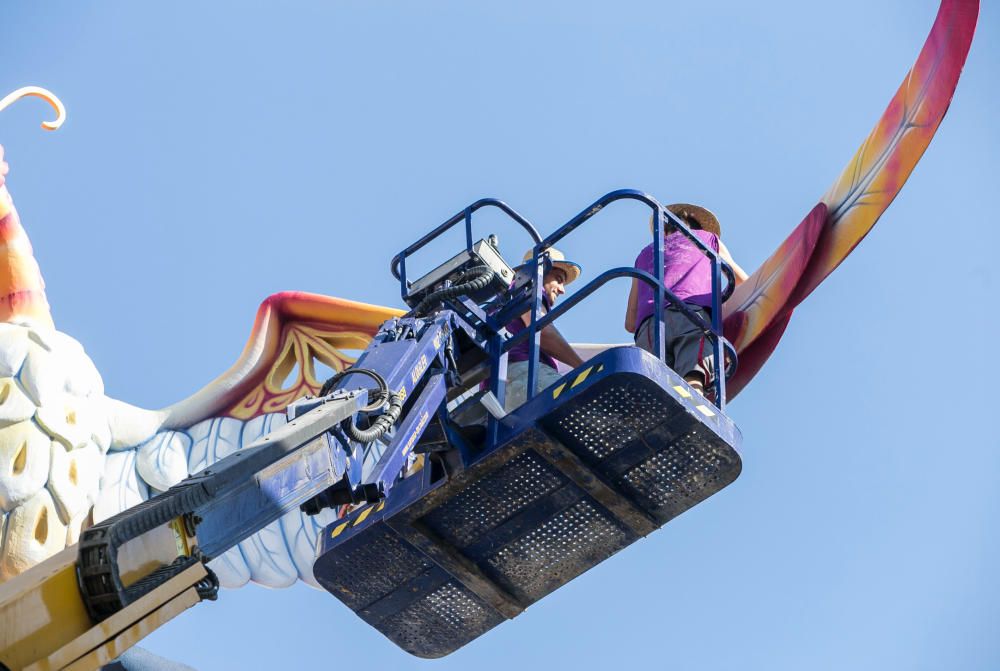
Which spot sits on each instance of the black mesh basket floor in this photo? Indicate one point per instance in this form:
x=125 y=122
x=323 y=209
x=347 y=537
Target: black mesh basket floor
x=594 y=470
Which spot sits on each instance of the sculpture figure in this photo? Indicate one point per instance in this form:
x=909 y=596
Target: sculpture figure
x=70 y=455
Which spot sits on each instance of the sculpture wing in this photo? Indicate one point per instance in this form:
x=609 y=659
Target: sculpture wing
x=755 y=314
x=293 y=332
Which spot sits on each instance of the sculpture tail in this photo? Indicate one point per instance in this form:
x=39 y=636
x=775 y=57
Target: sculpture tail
x=22 y=290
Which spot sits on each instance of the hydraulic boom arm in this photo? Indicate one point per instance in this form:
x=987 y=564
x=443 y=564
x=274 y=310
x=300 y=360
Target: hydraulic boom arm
x=133 y=572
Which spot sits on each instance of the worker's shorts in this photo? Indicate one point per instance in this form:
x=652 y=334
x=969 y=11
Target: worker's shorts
x=517 y=382
x=687 y=349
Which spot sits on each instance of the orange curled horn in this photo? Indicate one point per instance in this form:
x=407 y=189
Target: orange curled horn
x=22 y=290
x=44 y=94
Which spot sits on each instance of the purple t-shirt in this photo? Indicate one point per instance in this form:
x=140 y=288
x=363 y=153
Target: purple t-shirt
x=686 y=271
x=520 y=351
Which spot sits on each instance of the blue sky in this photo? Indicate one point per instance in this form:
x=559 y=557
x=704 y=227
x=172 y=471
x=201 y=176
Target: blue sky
x=215 y=154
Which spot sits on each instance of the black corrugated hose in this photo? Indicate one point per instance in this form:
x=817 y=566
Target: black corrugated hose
x=382 y=423
x=475 y=279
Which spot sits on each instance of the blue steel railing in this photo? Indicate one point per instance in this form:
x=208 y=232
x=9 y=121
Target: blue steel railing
x=398 y=264
x=714 y=331
x=498 y=346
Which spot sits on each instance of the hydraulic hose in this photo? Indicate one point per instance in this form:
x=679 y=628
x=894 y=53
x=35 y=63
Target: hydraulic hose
x=383 y=423
x=375 y=397
x=475 y=279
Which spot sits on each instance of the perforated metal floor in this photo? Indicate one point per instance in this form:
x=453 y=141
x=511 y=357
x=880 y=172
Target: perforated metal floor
x=587 y=473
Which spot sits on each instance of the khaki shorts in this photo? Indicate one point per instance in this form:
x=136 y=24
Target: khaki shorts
x=517 y=382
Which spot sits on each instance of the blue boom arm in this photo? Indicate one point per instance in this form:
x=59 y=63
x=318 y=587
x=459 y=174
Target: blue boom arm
x=311 y=462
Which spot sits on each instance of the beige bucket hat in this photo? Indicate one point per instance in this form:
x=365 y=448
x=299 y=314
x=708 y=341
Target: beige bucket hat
x=558 y=259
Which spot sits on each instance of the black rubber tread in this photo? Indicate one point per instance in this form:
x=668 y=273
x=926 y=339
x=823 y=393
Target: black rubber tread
x=97 y=564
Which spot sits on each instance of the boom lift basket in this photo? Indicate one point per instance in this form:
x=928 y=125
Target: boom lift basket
x=609 y=454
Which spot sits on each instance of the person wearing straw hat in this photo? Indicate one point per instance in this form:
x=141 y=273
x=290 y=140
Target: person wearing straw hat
x=687 y=272
x=554 y=347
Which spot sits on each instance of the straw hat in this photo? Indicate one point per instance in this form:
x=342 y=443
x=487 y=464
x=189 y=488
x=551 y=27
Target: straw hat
x=558 y=259
x=706 y=220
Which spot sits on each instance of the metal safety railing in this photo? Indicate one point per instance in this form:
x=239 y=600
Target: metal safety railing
x=500 y=345
x=398 y=264
x=720 y=347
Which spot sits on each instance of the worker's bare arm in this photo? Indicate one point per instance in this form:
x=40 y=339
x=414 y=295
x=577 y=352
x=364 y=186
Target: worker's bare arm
x=728 y=258
x=555 y=345
x=633 y=307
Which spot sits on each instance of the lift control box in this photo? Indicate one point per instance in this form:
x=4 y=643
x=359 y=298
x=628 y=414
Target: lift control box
x=483 y=253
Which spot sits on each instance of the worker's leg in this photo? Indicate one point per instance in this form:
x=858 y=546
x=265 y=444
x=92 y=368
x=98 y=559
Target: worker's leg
x=684 y=345
x=691 y=351
x=517 y=382
x=644 y=339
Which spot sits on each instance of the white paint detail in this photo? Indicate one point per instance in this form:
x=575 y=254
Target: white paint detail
x=74 y=479
x=87 y=457
x=231 y=568
x=67 y=418
x=301 y=534
x=129 y=426
x=212 y=440
x=121 y=487
x=82 y=378
x=42 y=378
x=260 y=426
x=24 y=463
x=163 y=459
x=52 y=419
x=41 y=337
x=13 y=348
x=266 y=552
x=75 y=526
x=34 y=533
x=15 y=406
x=100 y=427
x=267 y=556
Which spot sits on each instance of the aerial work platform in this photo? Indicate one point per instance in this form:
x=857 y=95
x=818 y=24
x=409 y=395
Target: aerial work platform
x=461 y=514
x=609 y=454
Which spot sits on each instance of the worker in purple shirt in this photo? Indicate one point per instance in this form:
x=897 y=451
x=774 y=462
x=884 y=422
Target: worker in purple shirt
x=553 y=346
x=687 y=272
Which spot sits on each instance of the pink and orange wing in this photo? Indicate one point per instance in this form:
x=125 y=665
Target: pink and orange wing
x=763 y=298
x=300 y=330
x=759 y=310
x=754 y=356
x=292 y=334
x=888 y=155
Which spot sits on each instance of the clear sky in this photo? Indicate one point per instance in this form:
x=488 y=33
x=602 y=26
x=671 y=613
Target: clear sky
x=218 y=152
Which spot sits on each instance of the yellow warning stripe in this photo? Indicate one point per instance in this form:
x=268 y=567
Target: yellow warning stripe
x=705 y=411
x=380 y=506
x=338 y=530
x=682 y=391
x=581 y=377
x=363 y=516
